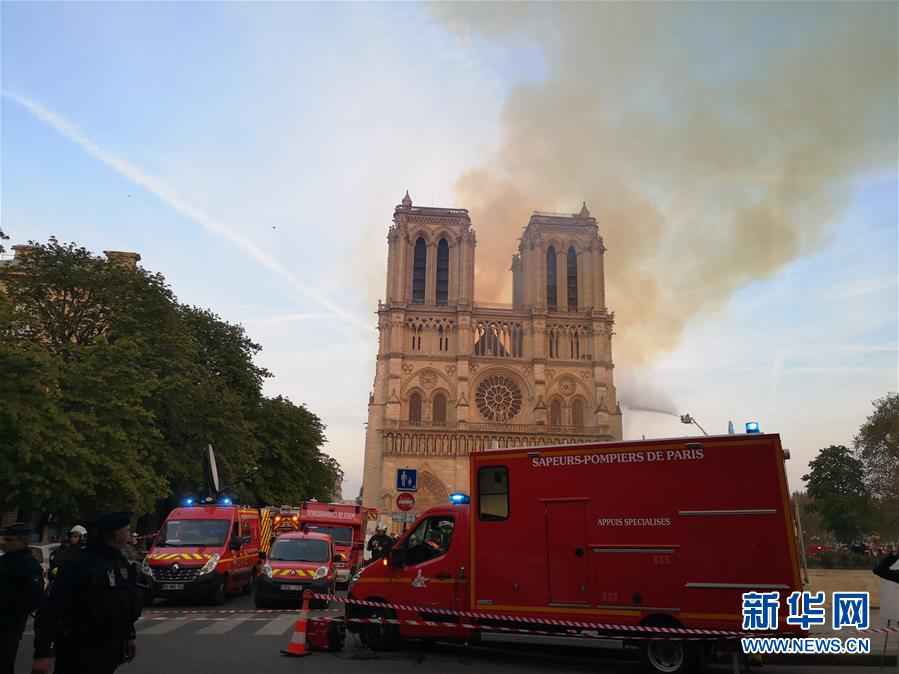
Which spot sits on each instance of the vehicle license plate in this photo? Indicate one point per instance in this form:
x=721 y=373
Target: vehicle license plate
x=291 y=587
x=173 y=586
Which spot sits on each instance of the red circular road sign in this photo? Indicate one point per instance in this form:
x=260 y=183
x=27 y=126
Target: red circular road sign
x=405 y=502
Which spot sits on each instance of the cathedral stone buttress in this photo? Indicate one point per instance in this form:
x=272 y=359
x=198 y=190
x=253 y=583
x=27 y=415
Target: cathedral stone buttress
x=455 y=377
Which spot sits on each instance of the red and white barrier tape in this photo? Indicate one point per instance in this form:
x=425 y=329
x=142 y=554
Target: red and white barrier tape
x=552 y=622
x=583 y=634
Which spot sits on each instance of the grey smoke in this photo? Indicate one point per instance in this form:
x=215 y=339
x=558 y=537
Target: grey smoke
x=715 y=142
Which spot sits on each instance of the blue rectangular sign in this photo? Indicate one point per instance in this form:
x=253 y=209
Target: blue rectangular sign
x=406 y=479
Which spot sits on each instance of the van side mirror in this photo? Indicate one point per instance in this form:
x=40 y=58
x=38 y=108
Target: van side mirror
x=235 y=544
x=397 y=557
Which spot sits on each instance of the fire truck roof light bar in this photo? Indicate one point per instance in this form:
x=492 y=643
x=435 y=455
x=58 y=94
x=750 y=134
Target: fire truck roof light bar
x=458 y=498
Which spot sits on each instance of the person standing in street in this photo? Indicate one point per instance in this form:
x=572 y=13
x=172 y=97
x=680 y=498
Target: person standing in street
x=21 y=590
x=87 y=621
x=379 y=543
x=69 y=550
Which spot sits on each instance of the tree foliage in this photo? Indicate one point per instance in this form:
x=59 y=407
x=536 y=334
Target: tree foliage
x=877 y=445
x=841 y=498
x=111 y=391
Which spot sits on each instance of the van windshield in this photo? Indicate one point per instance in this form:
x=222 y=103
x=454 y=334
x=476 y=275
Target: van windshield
x=176 y=533
x=341 y=535
x=300 y=550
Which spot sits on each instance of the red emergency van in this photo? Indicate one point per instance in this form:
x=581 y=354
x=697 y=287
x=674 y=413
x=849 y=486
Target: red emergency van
x=345 y=523
x=205 y=551
x=655 y=532
x=296 y=562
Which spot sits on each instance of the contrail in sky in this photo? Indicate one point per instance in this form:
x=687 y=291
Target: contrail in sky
x=168 y=196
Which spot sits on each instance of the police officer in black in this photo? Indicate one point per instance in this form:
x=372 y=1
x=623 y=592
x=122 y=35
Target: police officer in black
x=21 y=590
x=87 y=622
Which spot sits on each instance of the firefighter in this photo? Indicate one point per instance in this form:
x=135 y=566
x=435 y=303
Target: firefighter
x=87 y=621
x=379 y=544
x=69 y=550
x=21 y=589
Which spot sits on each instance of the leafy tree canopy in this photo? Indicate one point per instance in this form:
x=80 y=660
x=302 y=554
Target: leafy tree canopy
x=836 y=484
x=877 y=444
x=112 y=390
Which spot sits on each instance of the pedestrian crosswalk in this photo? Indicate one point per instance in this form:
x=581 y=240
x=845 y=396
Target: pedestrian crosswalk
x=263 y=624
x=255 y=623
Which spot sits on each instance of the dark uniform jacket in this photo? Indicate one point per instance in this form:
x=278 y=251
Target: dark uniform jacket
x=379 y=545
x=94 y=602
x=883 y=568
x=65 y=553
x=21 y=588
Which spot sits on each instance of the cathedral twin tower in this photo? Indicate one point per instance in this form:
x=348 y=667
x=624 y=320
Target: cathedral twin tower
x=455 y=377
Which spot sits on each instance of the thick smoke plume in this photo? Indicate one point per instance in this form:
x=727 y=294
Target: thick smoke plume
x=714 y=142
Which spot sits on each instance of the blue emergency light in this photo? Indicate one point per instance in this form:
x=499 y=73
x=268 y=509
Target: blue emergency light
x=458 y=498
x=188 y=501
x=753 y=427
x=226 y=501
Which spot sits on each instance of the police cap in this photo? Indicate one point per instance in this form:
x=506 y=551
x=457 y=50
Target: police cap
x=113 y=521
x=17 y=530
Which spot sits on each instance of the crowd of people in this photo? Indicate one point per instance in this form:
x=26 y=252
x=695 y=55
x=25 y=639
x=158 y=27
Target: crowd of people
x=86 y=608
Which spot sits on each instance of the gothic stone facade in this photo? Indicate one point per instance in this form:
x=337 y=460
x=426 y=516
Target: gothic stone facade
x=455 y=377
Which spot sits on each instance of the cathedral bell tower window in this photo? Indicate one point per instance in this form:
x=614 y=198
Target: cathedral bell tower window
x=439 y=412
x=572 y=279
x=442 y=272
x=419 y=271
x=415 y=409
x=551 y=278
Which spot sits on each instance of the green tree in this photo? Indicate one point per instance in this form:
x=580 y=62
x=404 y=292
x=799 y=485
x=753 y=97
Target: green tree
x=111 y=391
x=3 y=238
x=877 y=444
x=43 y=463
x=291 y=466
x=836 y=484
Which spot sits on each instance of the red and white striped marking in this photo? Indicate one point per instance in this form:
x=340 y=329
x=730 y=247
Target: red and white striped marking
x=553 y=622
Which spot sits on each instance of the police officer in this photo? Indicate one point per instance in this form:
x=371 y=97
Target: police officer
x=69 y=550
x=92 y=606
x=21 y=589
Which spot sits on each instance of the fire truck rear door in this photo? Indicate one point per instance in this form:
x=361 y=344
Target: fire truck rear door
x=566 y=550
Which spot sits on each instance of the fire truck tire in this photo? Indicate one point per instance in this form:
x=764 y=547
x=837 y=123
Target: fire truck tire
x=379 y=637
x=669 y=656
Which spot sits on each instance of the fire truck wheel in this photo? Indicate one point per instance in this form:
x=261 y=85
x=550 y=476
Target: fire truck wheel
x=672 y=657
x=379 y=637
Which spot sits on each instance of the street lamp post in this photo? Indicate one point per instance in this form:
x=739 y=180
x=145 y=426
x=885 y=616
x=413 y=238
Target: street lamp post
x=688 y=419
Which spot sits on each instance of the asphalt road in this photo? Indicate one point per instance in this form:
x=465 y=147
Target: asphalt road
x=237 y=639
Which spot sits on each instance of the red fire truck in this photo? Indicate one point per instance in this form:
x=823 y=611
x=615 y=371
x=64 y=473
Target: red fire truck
x=345 y=523
x=206 y=550
x=657 y=533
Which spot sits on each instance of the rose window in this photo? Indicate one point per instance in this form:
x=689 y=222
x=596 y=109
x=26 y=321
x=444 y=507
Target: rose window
x=498 y=398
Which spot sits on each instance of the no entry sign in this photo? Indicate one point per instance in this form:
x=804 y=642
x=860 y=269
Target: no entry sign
x=405 y=501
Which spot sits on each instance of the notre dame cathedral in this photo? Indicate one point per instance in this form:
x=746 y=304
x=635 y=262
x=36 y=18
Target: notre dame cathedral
x=454 y=376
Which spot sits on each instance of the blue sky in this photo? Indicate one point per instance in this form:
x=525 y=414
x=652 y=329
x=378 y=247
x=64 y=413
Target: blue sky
x=266 y=145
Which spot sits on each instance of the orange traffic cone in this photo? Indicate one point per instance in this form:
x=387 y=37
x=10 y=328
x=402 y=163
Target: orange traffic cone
x=297 y=646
